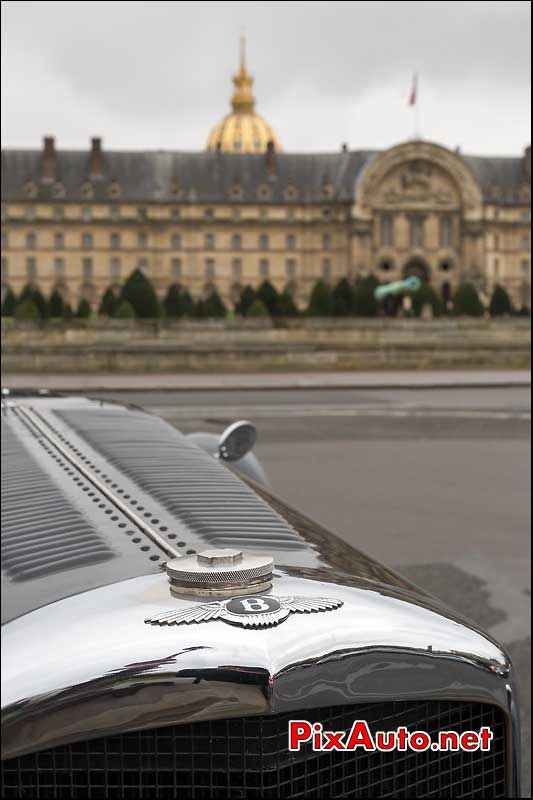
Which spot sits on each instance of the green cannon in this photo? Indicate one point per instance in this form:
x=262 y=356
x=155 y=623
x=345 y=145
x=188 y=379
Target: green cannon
x=410 y=284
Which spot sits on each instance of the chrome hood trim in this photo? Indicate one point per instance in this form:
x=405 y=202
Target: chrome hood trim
x=89 y=665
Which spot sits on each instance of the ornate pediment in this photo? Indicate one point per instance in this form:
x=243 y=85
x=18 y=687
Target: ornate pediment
x=417 y=184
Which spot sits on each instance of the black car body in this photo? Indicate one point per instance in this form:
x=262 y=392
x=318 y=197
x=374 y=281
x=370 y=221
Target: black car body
x=96 y=499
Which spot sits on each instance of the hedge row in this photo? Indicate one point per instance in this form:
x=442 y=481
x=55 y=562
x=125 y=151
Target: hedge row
x=138 y=299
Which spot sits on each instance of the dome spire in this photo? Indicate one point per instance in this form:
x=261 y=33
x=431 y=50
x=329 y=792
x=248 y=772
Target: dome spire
x=243 y=100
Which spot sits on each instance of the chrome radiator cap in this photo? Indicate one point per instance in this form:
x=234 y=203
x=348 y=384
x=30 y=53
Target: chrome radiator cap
x=223 y=572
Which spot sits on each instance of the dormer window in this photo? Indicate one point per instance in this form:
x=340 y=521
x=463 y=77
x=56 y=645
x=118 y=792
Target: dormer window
x=30 y=189
x=87 y=191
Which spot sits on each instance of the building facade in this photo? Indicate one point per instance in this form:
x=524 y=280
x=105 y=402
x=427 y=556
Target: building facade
x=243 y=211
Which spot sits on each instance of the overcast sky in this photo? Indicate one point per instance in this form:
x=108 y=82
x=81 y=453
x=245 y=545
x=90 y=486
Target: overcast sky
x=157 y=75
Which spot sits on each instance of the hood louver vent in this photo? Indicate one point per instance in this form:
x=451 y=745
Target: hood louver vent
x=208 y=498
x=41 y=532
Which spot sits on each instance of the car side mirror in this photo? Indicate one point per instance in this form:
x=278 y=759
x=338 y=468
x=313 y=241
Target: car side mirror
x=237 y=440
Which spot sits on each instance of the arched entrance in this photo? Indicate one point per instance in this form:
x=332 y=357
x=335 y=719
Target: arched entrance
x=417 y=267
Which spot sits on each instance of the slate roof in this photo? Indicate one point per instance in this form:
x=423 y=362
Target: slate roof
x=222 y=177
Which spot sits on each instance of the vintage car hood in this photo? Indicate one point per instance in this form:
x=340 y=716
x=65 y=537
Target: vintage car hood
x=94 y=493
x=124 y=491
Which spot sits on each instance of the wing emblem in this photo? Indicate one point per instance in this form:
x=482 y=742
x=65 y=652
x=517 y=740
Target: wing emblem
x=254 y=611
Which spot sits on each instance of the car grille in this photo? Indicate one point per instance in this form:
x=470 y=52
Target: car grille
x=248 y=758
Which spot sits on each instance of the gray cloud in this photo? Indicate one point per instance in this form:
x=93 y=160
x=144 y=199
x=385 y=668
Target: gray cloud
x=157 y=74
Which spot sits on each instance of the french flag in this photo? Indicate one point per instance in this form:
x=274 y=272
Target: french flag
x=414 y=90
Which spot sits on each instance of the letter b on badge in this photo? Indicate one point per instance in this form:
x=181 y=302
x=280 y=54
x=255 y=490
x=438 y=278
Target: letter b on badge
x=257 y=604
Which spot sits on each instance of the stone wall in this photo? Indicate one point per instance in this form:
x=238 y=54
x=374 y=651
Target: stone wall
x=234 y=346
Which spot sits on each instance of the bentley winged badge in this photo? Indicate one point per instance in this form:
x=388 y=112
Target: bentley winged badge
x=254 y=611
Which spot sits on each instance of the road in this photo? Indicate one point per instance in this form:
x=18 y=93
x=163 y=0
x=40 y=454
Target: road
x=434 y=483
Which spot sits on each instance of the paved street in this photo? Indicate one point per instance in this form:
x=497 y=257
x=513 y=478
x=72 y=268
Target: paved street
x=432 y=482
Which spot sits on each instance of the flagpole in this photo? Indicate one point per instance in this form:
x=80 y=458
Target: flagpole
x=417 y=112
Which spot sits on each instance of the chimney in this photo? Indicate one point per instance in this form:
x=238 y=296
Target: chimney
x=344 y=147
x=49 y=159
x=96 y=162
x=270 y=154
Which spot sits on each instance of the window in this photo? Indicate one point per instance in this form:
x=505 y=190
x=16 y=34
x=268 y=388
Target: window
x=4 y=241
x=386 y=232
x=4 y=213
x=236 y=268
x=263 y=241
x=114 y=269
x=210 y=269
x=142 y=240
x=236 y=213
x=445 y=266
x=291 y=214
x=525 y=243
x=175 y=266
x=5 y=268
x=114 y=241
x=291 y=241
x=31 y=268
x=496 y=266
x=386 y=265
x=525 y=265
x=29 y=213
x=236 y=241
x=87 y=268
x=326 y=269
x=141 y=214
x=263 y=214
x=209 y=241
x=326 y=241
x=209 y=214
x=142 y=265
x=31 y=241
x=175 y=214
x=59 y=241
x=417 y=232
x=86 y=214
x=263 y=268
x=496 y=241
x=446 y=231
x=290 y=268
x=59 y=268
x=175 y=241
x=87 y=241
x=114 y=212
x=59 y=212
x=326 y=212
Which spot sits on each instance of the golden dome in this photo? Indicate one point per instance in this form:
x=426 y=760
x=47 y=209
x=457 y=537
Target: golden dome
x=242 y=131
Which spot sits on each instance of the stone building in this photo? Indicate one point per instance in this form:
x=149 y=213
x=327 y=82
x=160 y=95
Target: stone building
x=243 y=210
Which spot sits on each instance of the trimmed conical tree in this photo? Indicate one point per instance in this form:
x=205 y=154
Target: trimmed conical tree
x=321 y=301
x=364 y=302
x=172 y=302
x=500 y=302
x=199 y=309
x=37 y=297
x=125 y=311
x=214 y=307
x=343 y=298
x=27 y=310
x=287 y=306
x=245 y=301
x=139 y=292
x=186 y=304
x=257 y=309
x=84 y=309
x=9 y=304
x=426 y=295
x=67 y=311
x=268 y=294
x=108 y=303
x=56 y=306
x=466 y=301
